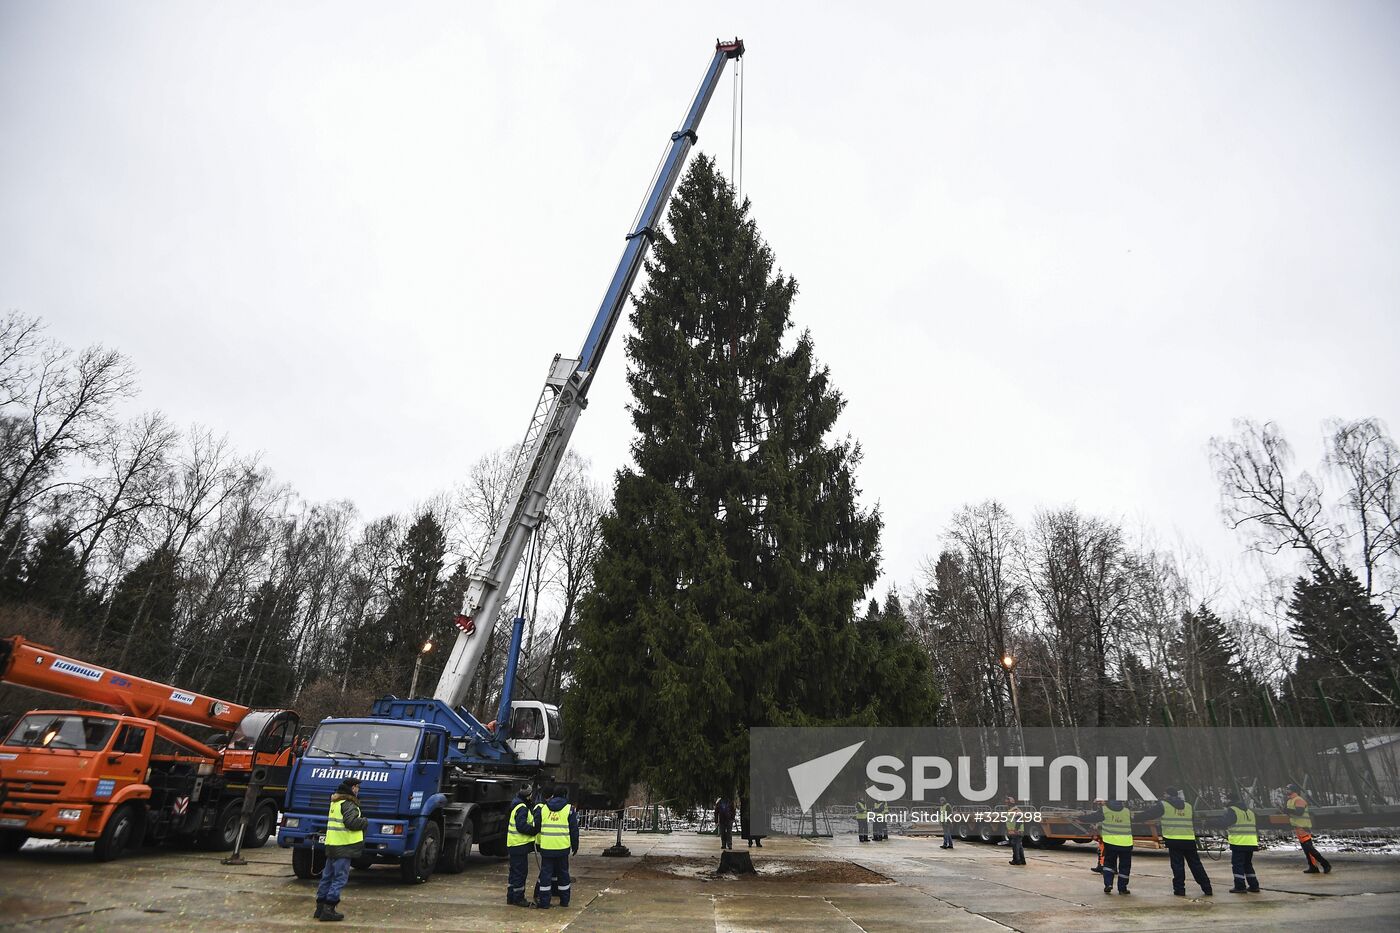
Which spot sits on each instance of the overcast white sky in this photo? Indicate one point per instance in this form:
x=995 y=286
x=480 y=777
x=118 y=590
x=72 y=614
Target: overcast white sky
x=1047 y=249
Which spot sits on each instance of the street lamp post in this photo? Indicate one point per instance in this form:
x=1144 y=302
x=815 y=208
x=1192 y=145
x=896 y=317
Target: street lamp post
x=1008 y=662
x=417 y=665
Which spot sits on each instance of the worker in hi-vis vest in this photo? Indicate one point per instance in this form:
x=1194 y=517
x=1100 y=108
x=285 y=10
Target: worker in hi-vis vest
x=1300 y=818
x=521 y=830
x=881 y=830
x=345 y=840
x=1116 y=830
x=558 y=837
x=1243 y=827
x=1015 y=831
x=945 y=819
x=1179 y=833
x=863 y=820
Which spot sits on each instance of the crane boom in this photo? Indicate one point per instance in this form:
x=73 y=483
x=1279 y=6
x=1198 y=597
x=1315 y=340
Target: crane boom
x=29 y=665
x=563 y=398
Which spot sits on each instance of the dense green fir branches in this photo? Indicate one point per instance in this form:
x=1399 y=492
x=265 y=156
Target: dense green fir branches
x=736 y=552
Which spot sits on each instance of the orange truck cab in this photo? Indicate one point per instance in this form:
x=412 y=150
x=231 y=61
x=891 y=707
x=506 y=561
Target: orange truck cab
x=127 y=777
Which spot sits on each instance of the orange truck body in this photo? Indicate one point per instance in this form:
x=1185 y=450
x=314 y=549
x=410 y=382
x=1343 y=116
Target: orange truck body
x=122 y=777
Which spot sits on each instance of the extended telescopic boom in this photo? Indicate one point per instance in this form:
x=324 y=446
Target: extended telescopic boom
x=564 y=396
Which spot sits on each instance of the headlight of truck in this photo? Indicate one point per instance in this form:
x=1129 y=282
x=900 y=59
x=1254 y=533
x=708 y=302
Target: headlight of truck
x=388 y=830
x=70 y=815
x=291 y=822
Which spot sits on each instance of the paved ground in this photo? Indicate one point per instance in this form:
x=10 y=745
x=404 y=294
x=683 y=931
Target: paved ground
x=969 y=888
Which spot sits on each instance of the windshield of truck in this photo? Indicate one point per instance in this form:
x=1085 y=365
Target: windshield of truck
x=62 y=730
x=383 y=741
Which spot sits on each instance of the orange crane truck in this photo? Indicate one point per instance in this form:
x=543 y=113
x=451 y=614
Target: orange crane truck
x=126 y=777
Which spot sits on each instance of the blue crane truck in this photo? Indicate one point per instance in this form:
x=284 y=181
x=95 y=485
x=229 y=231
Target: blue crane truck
x=434 y=781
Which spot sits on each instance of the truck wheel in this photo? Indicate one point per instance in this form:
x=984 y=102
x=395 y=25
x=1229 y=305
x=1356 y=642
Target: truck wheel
x=221 y=836
x=308 y=862
x=12 y=840
x=417 y=866
x=122 y=827
x=261 y=826
x=1035 y=835
x=455 y=853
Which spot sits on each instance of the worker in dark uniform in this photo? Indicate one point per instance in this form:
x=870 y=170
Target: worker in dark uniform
x=1015 y=826
x=1116 y=829
x=558 y=837
x=724 y=822
x=863 y=820
x=1179 y=834
x=1243 y=829
x=522 y=828
x=1300 y=818
x=945 y=817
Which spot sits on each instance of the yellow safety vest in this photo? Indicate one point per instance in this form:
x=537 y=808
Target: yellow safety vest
x=1244 y=832
x=1299 y=816
x=1117 y=827
x=945 y=813
x=1014 y=823
x=515 y=837
x=1177 y=824
x=554 y=830
x=861 y=810
x=336 y=833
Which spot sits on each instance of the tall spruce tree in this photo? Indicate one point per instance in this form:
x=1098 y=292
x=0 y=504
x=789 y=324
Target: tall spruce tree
x=1205 y=661
x=53 y=574
x=1347 y=646
x=736 y=551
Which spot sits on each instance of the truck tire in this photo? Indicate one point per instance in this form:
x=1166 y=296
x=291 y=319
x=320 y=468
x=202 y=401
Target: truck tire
x=11 y=840
x=261 y=826
x=455 y=853
x=122 y=828
x=224 y=833
x=1035 y=835
x=417 y=867
x=308 y=862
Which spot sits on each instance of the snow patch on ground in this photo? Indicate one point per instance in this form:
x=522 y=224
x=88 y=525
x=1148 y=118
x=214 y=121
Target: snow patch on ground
x=1381 y=843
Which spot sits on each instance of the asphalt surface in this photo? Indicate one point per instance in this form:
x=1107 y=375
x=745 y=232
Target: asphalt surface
x=908 y=884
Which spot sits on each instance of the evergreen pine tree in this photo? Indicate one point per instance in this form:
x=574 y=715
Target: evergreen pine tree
x=141 y=624
x=53 y=574
x=1205 y=662
x=1346 y=644
x=897 y=673
x=408 y=620
x=736 y=549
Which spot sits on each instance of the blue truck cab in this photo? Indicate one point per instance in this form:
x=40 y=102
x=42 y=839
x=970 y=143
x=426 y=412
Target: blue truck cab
x=400 y=768
x=433 y=783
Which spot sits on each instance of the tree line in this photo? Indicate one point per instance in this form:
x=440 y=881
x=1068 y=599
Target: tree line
x=1097 y=626
x=166 y=553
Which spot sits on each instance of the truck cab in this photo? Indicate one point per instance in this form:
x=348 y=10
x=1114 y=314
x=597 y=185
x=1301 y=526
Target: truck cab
x=536 y=732
x=63 y=773
x=400 y=768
